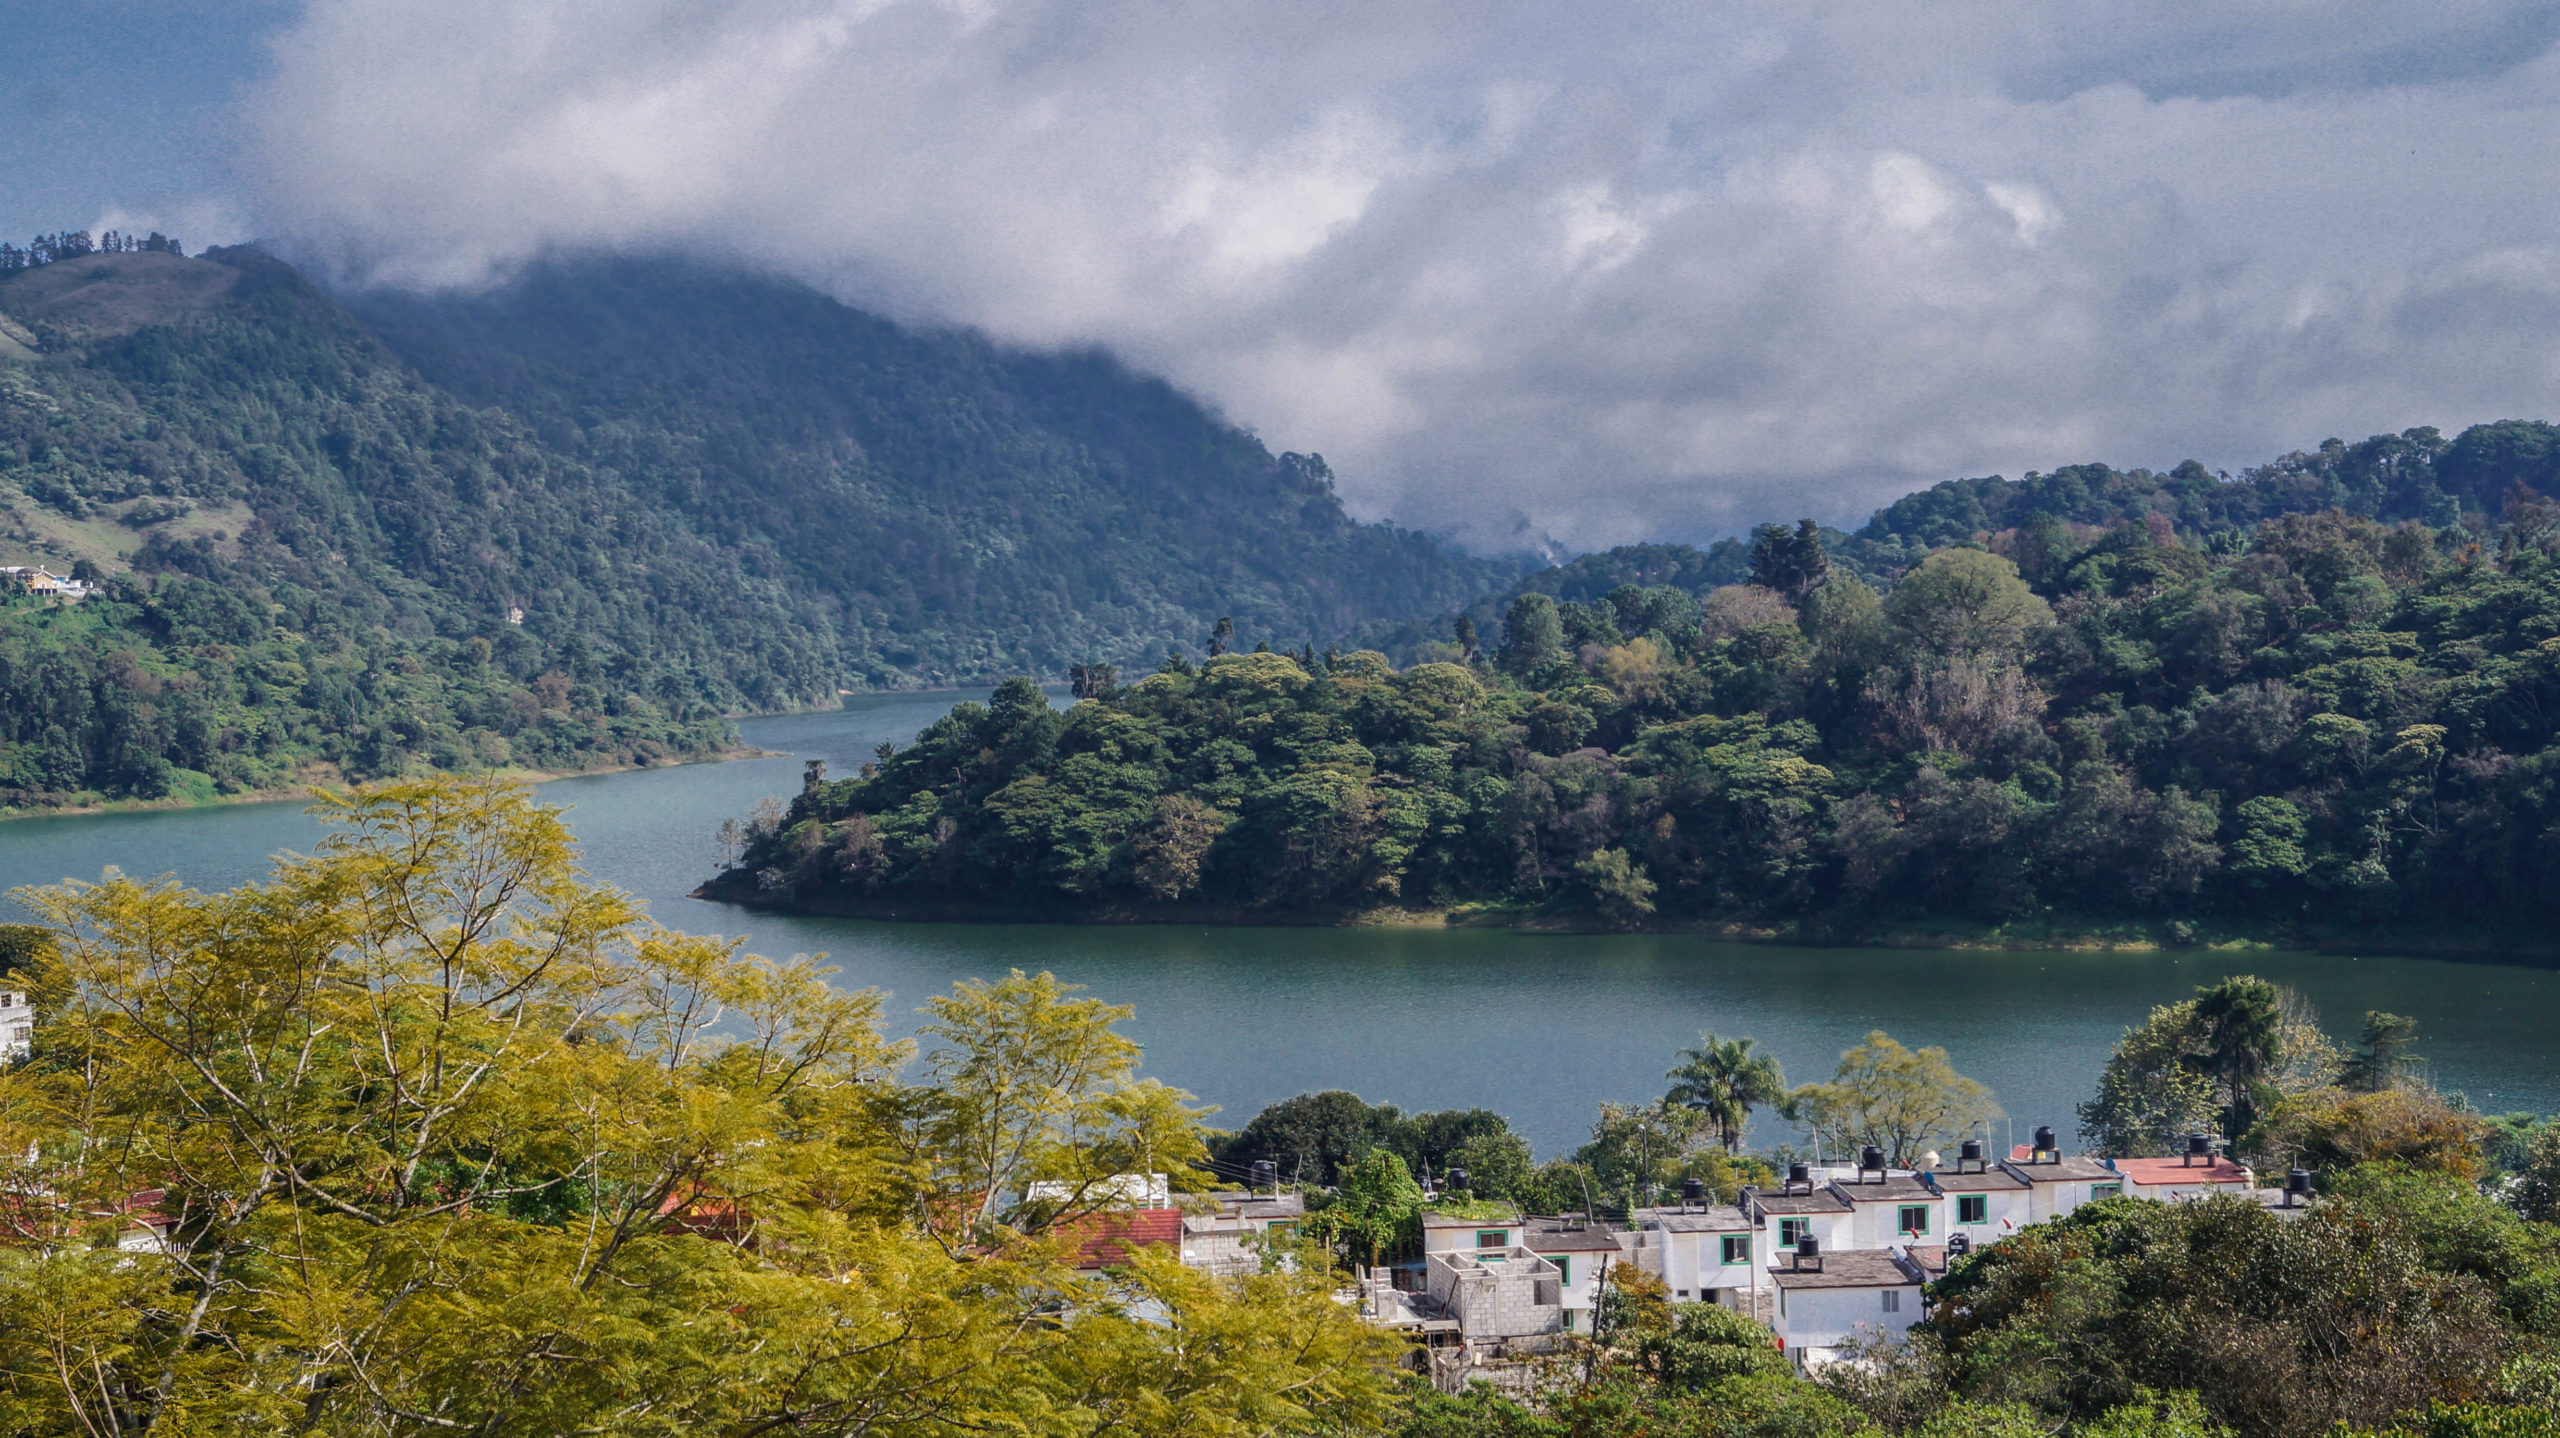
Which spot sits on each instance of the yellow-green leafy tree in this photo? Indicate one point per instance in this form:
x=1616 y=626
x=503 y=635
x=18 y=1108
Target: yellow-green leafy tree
x=442 y=1138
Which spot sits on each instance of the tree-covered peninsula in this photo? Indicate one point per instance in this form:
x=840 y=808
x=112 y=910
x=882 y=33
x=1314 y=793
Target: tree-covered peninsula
x=2323 y=718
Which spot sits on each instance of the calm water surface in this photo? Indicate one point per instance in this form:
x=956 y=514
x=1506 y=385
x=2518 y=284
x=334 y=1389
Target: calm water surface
x=1541 y=1028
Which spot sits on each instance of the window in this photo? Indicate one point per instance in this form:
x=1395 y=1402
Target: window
x=1568 y=1320
x=1492 y=1238
x=1913 y=1219
x=2105 y=1190
x=1737 y=1248
x=1791 y=1231
x=1782 y=1303
x=1564 y=1267
x=1893 y=1300
x=1973 y=1208
x=1684 y=1295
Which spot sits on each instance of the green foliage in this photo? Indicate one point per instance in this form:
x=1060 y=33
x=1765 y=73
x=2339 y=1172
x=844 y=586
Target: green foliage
x=2281 y=1326
x=441 y=1130
x=702 y=493
x=1903 y=1101
x=2322 y=720
x=1725 y=1079
x=1379 y=1203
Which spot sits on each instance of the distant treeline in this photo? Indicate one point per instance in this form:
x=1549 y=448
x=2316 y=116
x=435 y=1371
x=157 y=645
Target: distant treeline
x=72 y=244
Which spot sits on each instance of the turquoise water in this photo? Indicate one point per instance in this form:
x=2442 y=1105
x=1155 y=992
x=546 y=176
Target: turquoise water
x=1539 y=1027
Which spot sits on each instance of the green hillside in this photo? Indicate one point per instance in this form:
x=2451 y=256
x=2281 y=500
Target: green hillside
x=656 y=495
x=959 y=511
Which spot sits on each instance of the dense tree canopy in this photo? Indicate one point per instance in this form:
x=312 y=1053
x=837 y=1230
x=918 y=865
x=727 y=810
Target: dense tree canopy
x=446 y=1139
x=2328 y=719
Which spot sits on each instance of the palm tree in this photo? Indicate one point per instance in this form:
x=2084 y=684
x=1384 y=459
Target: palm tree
x=1725 y=1079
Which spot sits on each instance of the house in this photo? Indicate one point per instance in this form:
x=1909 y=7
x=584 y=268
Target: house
x=1506 y=1302
x=1580 y=1251
x=1828 y=1300
x=1702 y=1252
x=1109 y=1238
x=1227 y=1240
x=2056 y=1183
x=17 y=1025
x=44 y=582
x=1885 y=1207
x=1801 y=1208
x=1984 y=1200
x=1479 y=1227
x=2193 y=1174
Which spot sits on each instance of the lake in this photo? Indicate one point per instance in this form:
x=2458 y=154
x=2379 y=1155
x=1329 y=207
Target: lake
x=1538 y=1027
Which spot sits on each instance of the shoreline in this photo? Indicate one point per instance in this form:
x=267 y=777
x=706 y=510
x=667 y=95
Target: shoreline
x=1918 y=935
x=311 y=789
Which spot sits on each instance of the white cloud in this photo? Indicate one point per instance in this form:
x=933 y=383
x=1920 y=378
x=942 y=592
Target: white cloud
x=1608 y=271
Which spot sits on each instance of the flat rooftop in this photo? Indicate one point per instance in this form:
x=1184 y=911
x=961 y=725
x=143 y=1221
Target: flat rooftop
x=1854 y=1268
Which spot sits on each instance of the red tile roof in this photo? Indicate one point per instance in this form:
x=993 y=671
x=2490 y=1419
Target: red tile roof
x=1104 y=1240
x=2178 y=1173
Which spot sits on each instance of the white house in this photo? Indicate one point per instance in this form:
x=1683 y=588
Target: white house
x=1702 y=1252
x=17 y=1025
x=1228 y=1239
x=41 y=581
x=1801 y=1208
x=1444 y=1231
x=1984 y=1201
x=1827 y=1300
x=1581 y=1251
x=2056 y=1183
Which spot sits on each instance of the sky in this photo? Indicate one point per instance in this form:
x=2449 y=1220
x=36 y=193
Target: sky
x=1527 y=275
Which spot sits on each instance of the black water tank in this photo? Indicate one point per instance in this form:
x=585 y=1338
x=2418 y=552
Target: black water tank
x=1458 y=1179
x=2298 y=1181
x=1959 y=1244
x=2199 y=1145
x=1266 y=1174
x=1870 y=1157
x=1799 y=1173
x=1970 y=1151
x=2044 y=1139
x=1693 y=1191
x=1808 y=1247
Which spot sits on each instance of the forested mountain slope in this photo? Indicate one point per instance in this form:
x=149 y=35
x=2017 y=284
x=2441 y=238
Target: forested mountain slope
x=666 y=495
x=960 y=511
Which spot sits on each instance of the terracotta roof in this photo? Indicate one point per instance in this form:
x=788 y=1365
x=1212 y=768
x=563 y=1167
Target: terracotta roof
x=1104 y=1240
x=2174 y=1173
x=1850 y=1268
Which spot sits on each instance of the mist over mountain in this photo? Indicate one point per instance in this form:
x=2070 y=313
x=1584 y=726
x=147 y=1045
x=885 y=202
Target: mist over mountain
x=578 y=519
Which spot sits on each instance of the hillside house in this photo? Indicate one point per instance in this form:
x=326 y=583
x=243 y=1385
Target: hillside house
x=1803 y=1207
x=2058 y=1183
x=37 y=580
x=1829 y=1300
x=17 y=1025
x=1580 y=1251
x=2192 y=1174
x=1228 y=1240
x=1702 y=1252
x=1494 y=1228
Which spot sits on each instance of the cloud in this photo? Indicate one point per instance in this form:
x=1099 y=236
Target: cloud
x=1601 y=272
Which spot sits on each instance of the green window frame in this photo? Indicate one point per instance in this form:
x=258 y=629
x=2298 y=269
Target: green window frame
x=1564 y=1267
x=1737 y=1249
x=1973 y=1208
x=1493 y=1238
x=2105 y=1190
x=1791 y=1231
x=1913 y=1219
